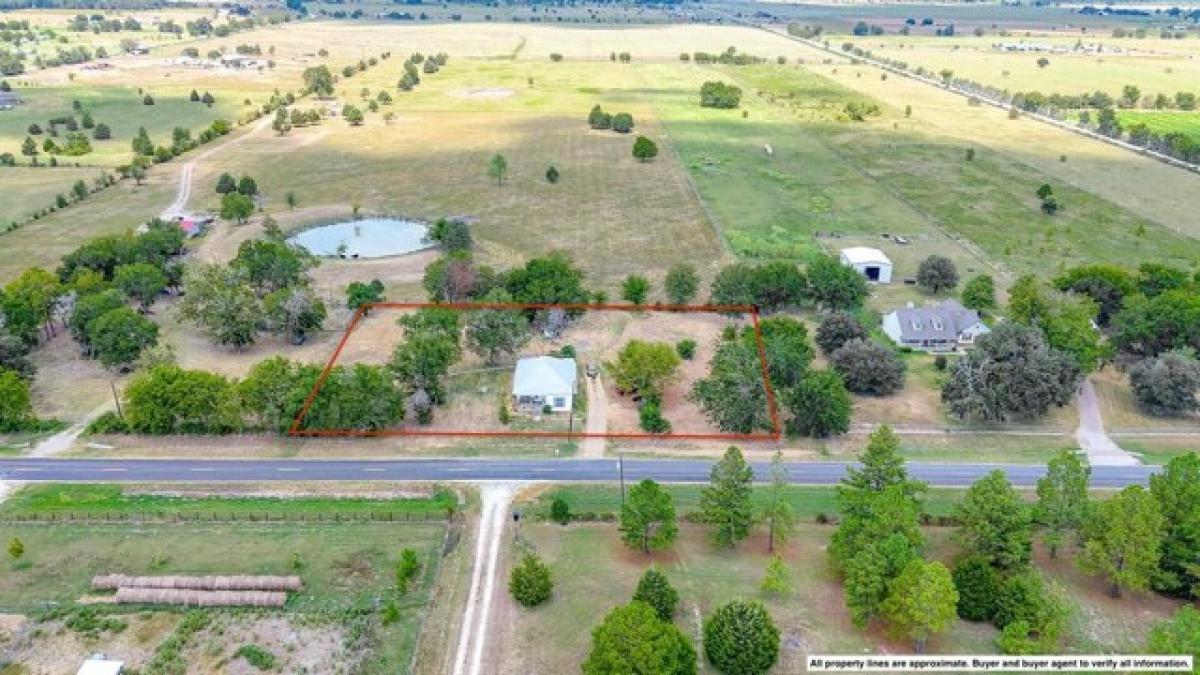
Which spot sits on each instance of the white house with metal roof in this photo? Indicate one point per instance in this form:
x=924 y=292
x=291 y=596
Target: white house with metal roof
x=943 y=327
x=99 y=664
x=869 y=262
x=541 y=381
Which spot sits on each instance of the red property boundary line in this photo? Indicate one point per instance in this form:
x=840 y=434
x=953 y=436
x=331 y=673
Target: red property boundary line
x=772 y=408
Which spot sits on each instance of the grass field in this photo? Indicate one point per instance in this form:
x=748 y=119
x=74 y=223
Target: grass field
x=589 y=563
x=29 y=190
x=1154 y=65
x=346 y=567
x=1164 y=122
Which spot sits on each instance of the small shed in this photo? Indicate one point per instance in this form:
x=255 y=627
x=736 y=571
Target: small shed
x=195 y=224
x=869 y=262
x=542 y=381
x=98 y=664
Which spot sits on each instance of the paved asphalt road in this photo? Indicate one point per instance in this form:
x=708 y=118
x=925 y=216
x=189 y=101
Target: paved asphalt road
x=479 y=470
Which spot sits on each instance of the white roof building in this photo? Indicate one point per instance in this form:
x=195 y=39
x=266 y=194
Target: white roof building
x=98 y=664
x=544 y=381
x=870 y=262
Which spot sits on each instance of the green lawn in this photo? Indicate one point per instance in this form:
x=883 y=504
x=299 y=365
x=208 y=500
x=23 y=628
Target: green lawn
x=1164 y=121
x=28 y=190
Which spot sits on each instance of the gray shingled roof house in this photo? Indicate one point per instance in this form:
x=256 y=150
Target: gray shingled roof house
x=944 y=327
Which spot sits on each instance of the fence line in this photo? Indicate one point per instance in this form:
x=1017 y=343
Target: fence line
x=223 y=517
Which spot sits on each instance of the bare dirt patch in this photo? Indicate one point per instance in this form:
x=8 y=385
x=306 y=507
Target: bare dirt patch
x=299 y=645
x=484 y=93
x=50 y=647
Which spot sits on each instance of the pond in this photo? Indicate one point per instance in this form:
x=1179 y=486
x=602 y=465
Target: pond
x=366 y=238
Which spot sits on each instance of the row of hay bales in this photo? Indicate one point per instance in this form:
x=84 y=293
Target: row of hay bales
x=194 y=598
x=199 y=591
x=244 y=582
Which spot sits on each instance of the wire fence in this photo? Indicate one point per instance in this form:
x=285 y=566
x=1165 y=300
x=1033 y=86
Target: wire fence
x=248 y=516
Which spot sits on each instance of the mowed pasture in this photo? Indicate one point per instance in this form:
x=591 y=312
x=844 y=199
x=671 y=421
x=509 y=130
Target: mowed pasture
x=1164 y=121
x=1154 y=65
x=589 y=561
x=28 y=190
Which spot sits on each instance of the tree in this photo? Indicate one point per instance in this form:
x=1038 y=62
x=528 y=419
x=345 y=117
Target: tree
x=530 y=582
x=648 y=517
x=719 y=95
x=1010 y=374
x=353 y=115
x=498 y=168
x=654 y=589
x=1045 y=191
x=16 y=548
x=1177 y=490
x=644 y=149
x=1062 y=498
x=725 y=503
x=836 y=330
x=141 y=281
x=834 y=286
x=882 y=466
x=14 y=352
x=282 y=123
x=785 y=345
x=622 y=123
x=995 y=522
x=922 y=602
x=773 y=286
x=494 y=332
x=937 y=273
x=167 y=399
x=632 y=640
x=29 y=148
x=16 y=409
x=740 y=637
x=978 y=584
x=1178 y=635
x=226 y=184
x=644 y=368
x=681 y=283
x=318 y=80
x=552 y=175
x=119 y=336
x=102 y=132
x=1150 y=326
x=220 y=302
x=1107 y=285
x=979 y=293
x=1067 y=321
x=237 y=207
x=869 y=368
x=734 y=395
x=407 y=569
x=1124 y=543
x=819 y=406
x=1025 y=597
x=634 y=289
x=294 y=311
x=360 y=293
x=1166 y=385
x=777 y=512
x=550 y=279
x=778 y=578
x=271 y=264
x=247 y=186
x=429 y=348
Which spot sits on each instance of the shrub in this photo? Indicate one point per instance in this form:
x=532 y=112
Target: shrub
x=716 y=94
x=868 y=368
x=1166 y=384
x=622 y=123
x=256 y=656
x=741 y=637
x=655 y=590
x=836 y=330
x=560 y=511
x=650 y=417
x=551 y=175
x=686 y=349
x=108 y=423
x=530 y=582
x=978 y=584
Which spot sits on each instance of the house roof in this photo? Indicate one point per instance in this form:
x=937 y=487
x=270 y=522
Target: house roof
x=544 y=376
x=863 y=255
x=943 y=321
x=9 y=97
x=98 y=665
